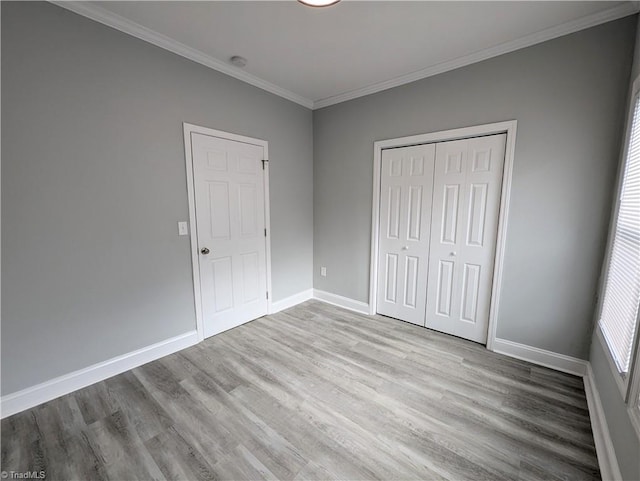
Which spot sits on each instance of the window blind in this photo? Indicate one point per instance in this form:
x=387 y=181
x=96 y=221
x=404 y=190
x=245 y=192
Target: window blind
x=619 y=317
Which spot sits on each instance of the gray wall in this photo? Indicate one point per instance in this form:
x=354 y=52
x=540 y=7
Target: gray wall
x=568 y=96
x=93 y=183
x=635 y=68
x=624 y=438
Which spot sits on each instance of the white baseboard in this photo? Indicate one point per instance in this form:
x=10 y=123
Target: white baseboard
x=340 y=301
x=27 y=398
x=609 y=469
x=48 y=390
x=553 y=360
x=291 y=301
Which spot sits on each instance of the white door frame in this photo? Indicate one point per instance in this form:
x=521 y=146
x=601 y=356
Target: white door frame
x=507 y=127
x=195 y=258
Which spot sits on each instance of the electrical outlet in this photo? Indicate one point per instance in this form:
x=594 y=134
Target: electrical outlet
x=183 y=228
x=323 y=271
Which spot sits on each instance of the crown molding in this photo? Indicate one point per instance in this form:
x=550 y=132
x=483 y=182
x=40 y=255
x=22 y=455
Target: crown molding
x=101 y=15
x=567 y=28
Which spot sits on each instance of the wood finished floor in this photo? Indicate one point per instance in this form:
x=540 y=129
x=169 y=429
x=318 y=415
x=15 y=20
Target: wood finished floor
x=317 y=393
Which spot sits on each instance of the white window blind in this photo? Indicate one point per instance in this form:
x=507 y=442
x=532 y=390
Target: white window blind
x=619 y=317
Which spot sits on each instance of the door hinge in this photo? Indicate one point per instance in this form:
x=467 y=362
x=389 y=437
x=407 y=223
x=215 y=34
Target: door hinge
x=264 y=161
x=267 y=295
x=265 y=232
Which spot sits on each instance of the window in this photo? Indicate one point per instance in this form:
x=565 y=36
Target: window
x=619 y=314
x=619 y=321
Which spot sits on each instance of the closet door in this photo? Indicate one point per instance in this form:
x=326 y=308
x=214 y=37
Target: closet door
x=405 y=219
x=466 y=203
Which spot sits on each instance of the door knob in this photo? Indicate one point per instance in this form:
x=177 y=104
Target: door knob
x=452 y=254
x=204 y=251
x=405 y=248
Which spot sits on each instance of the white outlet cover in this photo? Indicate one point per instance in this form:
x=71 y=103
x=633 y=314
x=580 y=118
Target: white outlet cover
x=183 y=228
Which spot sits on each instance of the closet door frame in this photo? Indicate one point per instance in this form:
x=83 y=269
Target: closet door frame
x=509 y=128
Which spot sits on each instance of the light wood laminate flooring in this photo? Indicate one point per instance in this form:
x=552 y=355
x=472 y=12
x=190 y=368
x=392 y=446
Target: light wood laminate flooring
x=315 y=393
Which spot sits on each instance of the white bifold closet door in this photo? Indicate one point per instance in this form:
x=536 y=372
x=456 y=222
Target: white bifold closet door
x=466 y=204
x=439 y=208
x=405 y=219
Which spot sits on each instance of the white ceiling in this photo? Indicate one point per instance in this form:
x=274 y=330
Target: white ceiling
x=319 y=57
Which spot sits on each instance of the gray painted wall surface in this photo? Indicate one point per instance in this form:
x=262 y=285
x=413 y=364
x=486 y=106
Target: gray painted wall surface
x=635 y=68
x=624 y=438
x=568 y=96
x=94 y=181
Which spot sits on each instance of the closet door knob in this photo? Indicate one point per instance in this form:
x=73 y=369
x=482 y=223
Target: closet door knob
x=405 y=248
x=204 y=251
x=452 y=254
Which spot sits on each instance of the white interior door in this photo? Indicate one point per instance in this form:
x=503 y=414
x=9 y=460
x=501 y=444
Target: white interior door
x=405 y=219
x=230 y=223
x=466 y=203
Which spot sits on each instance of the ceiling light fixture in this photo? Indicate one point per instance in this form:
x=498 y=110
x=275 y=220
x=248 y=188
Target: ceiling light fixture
x=238 y=61
x=318 y=3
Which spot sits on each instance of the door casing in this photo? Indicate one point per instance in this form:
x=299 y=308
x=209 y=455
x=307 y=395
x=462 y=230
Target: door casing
x=509 y=128
x=195 y=257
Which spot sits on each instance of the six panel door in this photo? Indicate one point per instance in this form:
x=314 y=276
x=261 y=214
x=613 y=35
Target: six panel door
x=405 y=219
x=466 y=202
x=230 y=219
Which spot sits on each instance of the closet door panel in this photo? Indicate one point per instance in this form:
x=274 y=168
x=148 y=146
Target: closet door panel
x=466 y=201
x=404 y=233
